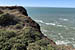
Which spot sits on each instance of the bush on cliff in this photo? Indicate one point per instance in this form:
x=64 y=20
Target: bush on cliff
x=7 y=19
x=13 y=40
x=41 y=45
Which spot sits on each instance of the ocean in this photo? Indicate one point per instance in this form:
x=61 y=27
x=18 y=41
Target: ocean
x=57 y=24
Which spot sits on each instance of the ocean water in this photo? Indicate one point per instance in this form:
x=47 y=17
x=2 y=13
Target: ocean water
x=56 y=23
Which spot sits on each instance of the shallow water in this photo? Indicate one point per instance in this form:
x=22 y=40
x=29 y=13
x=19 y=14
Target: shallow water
x=56 y=23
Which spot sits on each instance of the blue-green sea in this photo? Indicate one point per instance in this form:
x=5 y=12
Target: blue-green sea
x=56 y=23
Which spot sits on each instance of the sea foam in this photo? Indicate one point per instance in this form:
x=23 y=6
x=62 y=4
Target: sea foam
x=60 y=36
x=60 y=42
x=50 y=24
x=39 y=21
x=63 y=19
x=60 y=25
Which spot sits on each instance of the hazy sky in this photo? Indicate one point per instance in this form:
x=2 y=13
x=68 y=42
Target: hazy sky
x=40 y=3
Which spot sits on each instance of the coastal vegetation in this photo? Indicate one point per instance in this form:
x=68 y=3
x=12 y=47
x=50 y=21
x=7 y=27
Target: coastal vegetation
x=20 y=32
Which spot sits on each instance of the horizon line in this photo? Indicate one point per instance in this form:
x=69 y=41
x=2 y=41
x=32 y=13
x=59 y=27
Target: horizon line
x=47 y=7
x=40 y=6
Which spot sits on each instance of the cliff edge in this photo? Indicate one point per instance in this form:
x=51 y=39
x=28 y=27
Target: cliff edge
x=19 y=32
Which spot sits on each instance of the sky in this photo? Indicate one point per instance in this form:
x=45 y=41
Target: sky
x=39 y=3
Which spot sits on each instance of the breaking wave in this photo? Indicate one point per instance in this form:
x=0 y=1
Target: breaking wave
x=39 y=21
x=53 y=24
x=50 y=24
x=63 y=19
x=60 y=42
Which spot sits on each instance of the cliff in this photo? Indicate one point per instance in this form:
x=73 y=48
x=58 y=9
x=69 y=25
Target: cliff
x=19 y=32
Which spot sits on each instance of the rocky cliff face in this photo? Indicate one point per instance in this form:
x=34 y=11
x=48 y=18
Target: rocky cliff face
x=19 y=32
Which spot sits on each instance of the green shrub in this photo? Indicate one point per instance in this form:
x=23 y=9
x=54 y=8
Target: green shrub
x=43 y=42
x=18 y=46
x=18 y=37
x=18 y=26
x=7 y=19
x=35 y=46
x=49 y=47
x=6 y=46
x=7 y=34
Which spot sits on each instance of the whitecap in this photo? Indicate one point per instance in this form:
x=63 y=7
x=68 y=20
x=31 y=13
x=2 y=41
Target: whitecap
x=60 y=36
x=73 y=45
x=44 y=30
x=59 y=33
x=39 y=21
x=60 y=42
x=45 y=34
x=72 y=27
x=63 y=19
x=60 y=25
x=50 y=24
x=72 y=38
x=67 y=28
x=63 y=26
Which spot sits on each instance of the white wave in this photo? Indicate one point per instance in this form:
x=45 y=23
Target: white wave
x=72 y=27
x=59 y=42
x=39 y=21
x=73 y=45
x=45 y=30
x=50 y=24
x=72 y=38
x=60 y=25
x=60 y=36
x=63 y=26
x=63 y=19
x=59 y=33
x=45 y=34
